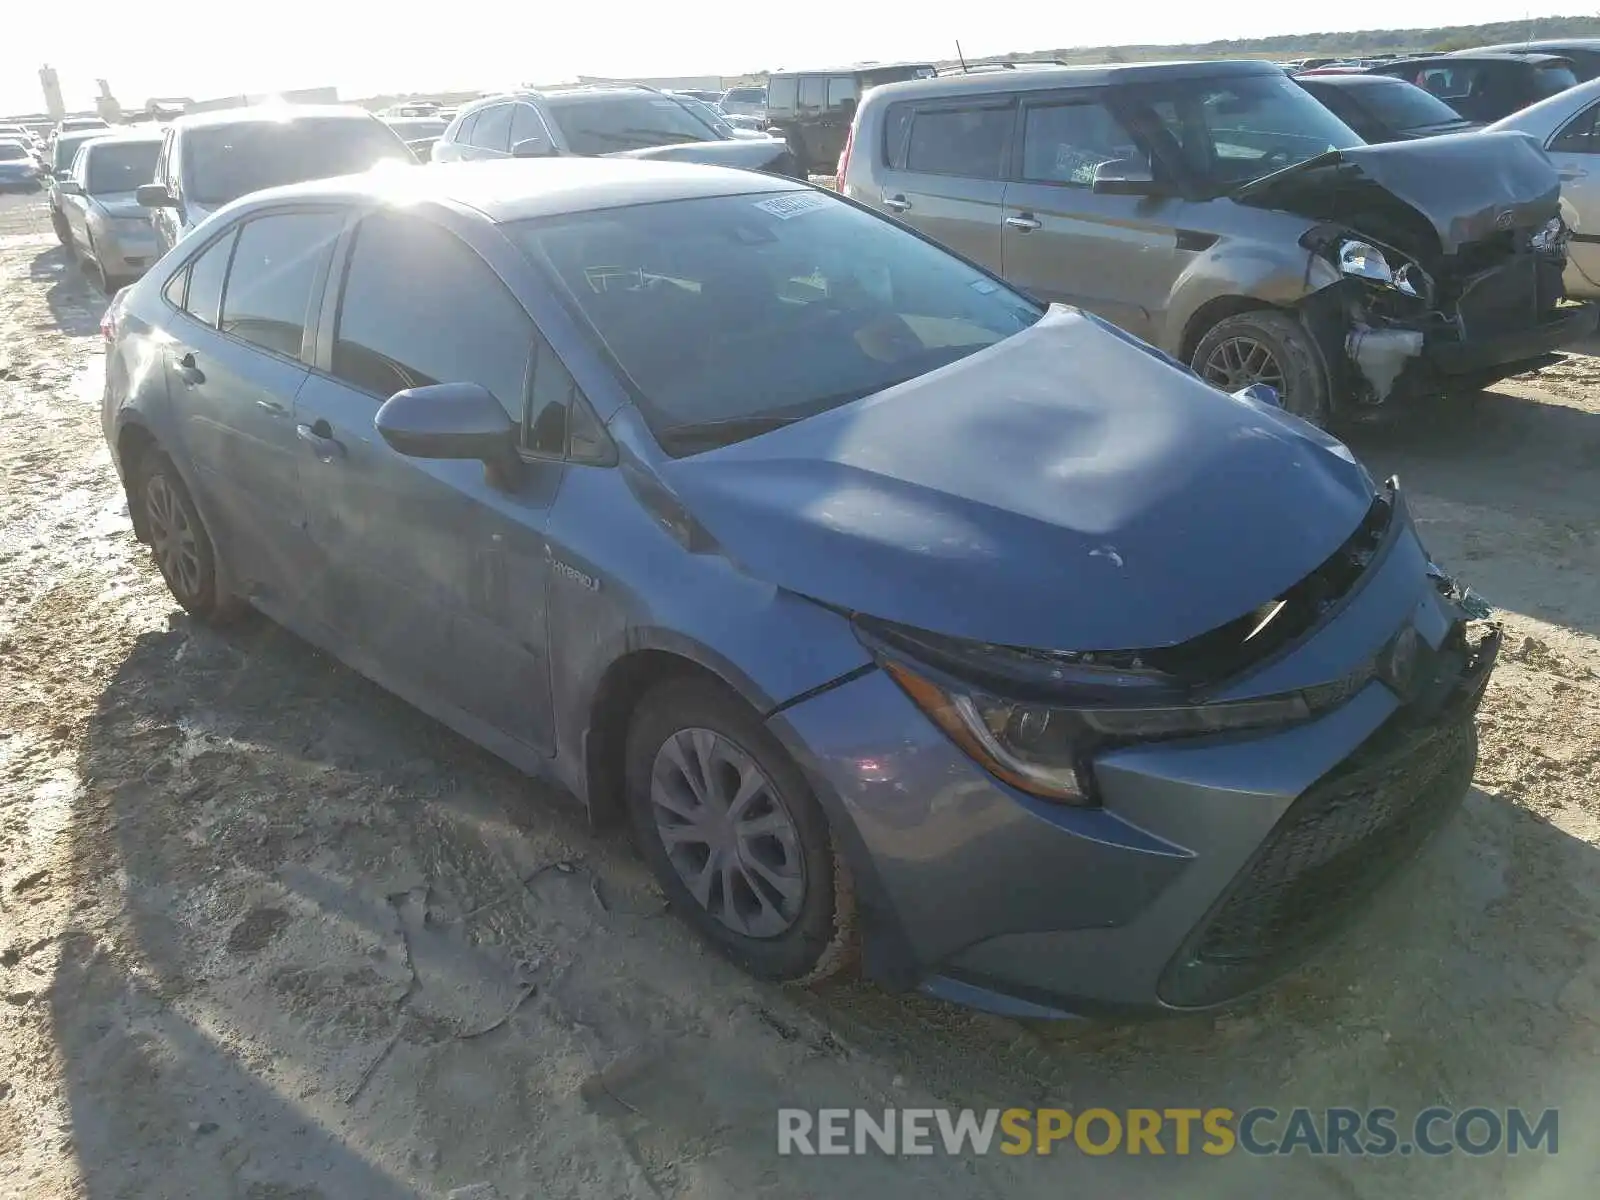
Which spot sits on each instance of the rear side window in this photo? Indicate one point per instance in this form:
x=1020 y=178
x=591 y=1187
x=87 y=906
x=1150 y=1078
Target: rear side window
x=526 y=125
x=896 y=124
x=275 y=269
x=1064 y=143
x=463 y=327
x=206 y=273
x=970 y=142
x=1578 y=135
x=1547 y=81
x=463 y=133
x=781 y=95
x=840 y=89
x=813 y=91
x=493 y=130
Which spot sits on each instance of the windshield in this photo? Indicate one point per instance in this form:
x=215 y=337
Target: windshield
x=225 y=162
x=67 y=148
x=1401 y=105
x=731 y=314
x=10 y=151
x=1226 y=132
x=598 y=123
x=1547 y=81
x=115 y=167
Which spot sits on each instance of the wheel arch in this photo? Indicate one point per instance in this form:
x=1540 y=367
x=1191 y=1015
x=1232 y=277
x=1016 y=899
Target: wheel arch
x=135 y=443
x=1212 y=313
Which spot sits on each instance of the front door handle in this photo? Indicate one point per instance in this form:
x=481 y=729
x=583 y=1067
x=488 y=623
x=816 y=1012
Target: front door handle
x=896 y=203
x=1571 y=173
x=319 y=436
x=1026 y=222
x=189 y=370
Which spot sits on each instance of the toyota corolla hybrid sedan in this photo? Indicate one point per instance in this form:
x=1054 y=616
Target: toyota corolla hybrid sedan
x=890 y=608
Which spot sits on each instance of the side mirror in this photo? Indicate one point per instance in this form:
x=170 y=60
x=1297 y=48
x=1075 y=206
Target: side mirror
x=534 y=147
x=1123 y=177
x=448 y=420
x=62 y=173
x=69 y=187
x=154 y=195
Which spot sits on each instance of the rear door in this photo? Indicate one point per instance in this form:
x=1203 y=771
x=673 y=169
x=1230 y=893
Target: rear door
x=76 y=208
x=1575 y=151
x=491 y=133
x=234 y=365
x=1116 y=256
x=941 y=170
x=435 y=578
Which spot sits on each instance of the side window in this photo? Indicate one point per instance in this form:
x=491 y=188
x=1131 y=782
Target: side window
x=840 y=89
x=80 y=164
x=526 y=124
x=275 y=269
x=1064 y=143
x=1577 y=136
x=174 y=289
x=781 y=95
x=493 y=130
x=896 y=124
x=959 y=141
x=206 y=273
x=813 y=92
x=550 y=413
x=463 y=133
x=463 y=327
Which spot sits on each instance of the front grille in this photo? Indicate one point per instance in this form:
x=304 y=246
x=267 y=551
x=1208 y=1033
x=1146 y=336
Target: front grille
x=1341 y=838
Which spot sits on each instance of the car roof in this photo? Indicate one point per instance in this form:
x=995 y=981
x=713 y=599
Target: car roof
x=118 y=138
x=1456 y=56
x=518 y=189
x=855 y=68
x=1553 y=45
x=1356 y=80
x=262 y=114
x=1090 y=75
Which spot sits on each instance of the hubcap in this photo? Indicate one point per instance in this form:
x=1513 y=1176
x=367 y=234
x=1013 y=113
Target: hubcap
x=1240 y=361
x=727 y=833
x=172 y=538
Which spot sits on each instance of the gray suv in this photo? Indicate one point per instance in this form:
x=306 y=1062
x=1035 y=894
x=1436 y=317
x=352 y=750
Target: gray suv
x=1219 y=212
x=625 y=121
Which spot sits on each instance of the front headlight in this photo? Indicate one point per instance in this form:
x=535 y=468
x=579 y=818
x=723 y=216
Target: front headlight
x=1552 y=239
x=1045 y=749
x=1365 y=261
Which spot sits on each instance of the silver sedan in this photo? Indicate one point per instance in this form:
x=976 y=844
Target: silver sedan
x=107 y=229
x=1567 y=125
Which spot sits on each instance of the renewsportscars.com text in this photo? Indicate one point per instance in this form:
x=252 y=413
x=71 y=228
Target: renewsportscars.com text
x=1181 y=1131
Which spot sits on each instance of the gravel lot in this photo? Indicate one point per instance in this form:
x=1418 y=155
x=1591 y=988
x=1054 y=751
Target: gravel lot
x=267 y=933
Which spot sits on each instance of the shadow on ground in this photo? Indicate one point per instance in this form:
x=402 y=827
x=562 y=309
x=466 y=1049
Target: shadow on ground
x=360 y=958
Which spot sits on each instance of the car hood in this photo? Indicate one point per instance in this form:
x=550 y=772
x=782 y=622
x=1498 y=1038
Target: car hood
x=16 y=168
x=122 y=204
x=1065 y=489
x=1466 y=186
x=751 y=153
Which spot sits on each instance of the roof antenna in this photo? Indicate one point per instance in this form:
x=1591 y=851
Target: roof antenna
x=961 y=56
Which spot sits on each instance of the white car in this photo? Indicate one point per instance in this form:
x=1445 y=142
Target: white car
x=1566 y=126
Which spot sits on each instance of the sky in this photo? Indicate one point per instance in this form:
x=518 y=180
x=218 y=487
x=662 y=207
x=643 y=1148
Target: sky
x=365 y=48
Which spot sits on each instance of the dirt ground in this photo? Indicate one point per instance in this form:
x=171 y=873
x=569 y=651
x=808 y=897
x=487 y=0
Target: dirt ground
x=267 y=933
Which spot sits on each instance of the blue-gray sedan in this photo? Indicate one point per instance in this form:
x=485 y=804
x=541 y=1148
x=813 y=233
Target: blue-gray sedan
x=892 y=610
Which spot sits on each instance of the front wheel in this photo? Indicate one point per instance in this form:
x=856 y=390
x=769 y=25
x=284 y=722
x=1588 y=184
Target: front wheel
x=1270 y=347
x=734 y=836
x=63 y=230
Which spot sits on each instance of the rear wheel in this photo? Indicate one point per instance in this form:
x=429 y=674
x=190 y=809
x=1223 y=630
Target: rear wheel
x=734 y=836
x=63 y=230
x=798 y=152
x=1270 y=347
x=180 y=543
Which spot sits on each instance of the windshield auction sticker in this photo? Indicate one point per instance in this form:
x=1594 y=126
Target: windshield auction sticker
x=792 y=204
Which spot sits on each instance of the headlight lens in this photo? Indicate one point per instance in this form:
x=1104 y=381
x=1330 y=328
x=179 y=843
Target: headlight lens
x=1365 y=261
x=1551 y=239
x=1044 y=749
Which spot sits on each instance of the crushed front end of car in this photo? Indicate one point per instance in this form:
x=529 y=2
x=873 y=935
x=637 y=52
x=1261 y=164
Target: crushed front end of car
x=1448 y=254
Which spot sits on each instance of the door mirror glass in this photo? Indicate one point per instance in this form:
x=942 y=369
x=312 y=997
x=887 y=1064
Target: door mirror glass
x=63 y=172
x=69 y=187
x=1123 y=177
x=155 y=195
x=534 y=147
x=447 y=420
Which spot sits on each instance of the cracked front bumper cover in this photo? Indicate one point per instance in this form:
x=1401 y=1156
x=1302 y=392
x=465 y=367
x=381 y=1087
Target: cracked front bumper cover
x=1561 y=327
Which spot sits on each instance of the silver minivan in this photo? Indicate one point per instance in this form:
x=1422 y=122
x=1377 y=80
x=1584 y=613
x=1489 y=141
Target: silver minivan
x=1220 y=213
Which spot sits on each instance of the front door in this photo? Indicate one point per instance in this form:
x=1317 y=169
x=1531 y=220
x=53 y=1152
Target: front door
x=1575 y=151
x=1116 y=256
x=945 y=174
x=432 y=577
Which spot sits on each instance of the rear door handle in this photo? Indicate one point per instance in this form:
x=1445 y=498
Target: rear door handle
x=319 y=436
x=189 y=370
x=1026 y=222
x=896 y=203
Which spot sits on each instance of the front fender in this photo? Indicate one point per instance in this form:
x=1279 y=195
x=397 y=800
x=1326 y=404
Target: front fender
x=1240 y=268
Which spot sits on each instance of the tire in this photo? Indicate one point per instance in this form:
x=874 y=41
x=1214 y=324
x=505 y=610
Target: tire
x=63 y=230
x=786 y=885
x=180 y=543
x=1267 y=346
x=797 y=151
